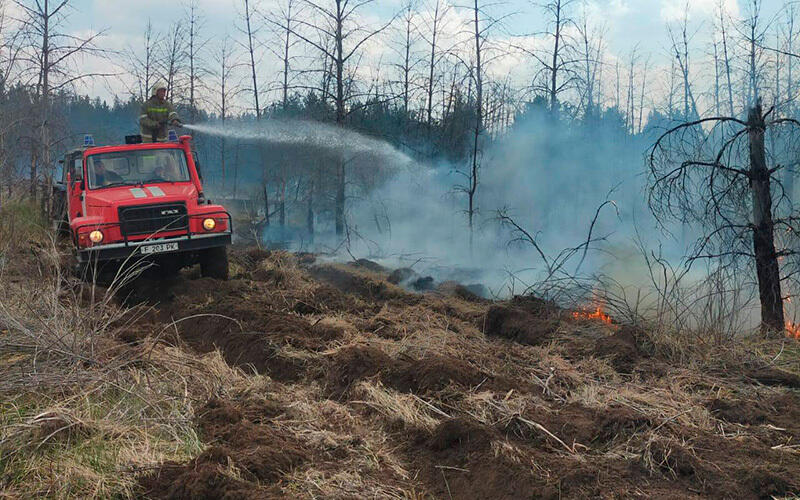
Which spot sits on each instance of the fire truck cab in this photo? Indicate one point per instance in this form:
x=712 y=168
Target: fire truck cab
x=135 y=202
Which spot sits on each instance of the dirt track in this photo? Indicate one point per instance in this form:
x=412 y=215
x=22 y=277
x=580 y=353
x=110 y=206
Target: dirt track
x=380 y=392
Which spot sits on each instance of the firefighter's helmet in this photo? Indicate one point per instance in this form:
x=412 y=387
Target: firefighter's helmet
x=158 y=85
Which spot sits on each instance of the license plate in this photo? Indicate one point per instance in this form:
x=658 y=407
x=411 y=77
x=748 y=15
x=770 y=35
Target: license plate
x=159 y=248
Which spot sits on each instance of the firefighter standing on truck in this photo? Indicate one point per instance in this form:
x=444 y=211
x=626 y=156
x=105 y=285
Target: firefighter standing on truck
x=157 y=112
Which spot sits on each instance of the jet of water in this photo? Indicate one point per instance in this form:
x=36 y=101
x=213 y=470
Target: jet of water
x=306 y=133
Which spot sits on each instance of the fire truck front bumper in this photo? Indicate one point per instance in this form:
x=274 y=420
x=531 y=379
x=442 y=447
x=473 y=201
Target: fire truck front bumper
x=134 y=250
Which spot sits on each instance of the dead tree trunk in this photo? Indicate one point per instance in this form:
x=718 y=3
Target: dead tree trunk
x=248 y=13
x=282 y=203
x=310 y=211
x=266 y=205
x=473 y=175
x=340 y=115
x=767 y=269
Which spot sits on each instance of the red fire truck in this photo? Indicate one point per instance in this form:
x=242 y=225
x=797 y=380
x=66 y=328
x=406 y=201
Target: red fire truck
x=141 y=202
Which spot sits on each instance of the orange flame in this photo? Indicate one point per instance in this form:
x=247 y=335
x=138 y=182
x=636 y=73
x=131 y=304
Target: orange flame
x=596 y=314
x=793 y=330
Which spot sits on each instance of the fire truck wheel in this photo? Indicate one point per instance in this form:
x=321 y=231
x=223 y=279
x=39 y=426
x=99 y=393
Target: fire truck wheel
x=214 y=263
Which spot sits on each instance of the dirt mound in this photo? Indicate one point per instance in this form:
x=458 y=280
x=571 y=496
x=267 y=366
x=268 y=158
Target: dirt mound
x=737 y=412
x=460 y=435
x=769 y=375
x=471 y=293
x=432 y=373
x=519 y=325
x=203 y=477
x=784 y=411
x=781 y=412
x=326 y=298
x=575 y=423
x=458 y=461
x=363 y=285
x=725 y=468
x=621 y=349
x=368 y=265
x=259 y=455
x=402 y=275
x=351 y=364
x=218 y=414
x=539 y=308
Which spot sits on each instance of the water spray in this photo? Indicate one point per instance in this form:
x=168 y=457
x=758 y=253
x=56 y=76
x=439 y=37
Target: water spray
x=307 y=133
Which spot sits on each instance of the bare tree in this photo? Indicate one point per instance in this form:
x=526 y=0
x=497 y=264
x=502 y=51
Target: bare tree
x=557 y=63
x=432 y=36
x=173 y=59
x=726 y=55
x=338 y=23
x=196 y=42
x=630 y=100
x=591 y=49
x=283 y=18
x=142 y=64
x=753 y=33
x=405 y=52
x=719 y=180
x=680 y=50
x=481 y=25
x=226 y=61
x=789 y=29
x=50 y=52
x=9 y=53
x=251 y=46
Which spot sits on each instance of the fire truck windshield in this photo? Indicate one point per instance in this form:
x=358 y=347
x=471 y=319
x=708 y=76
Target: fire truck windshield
x=125 y=168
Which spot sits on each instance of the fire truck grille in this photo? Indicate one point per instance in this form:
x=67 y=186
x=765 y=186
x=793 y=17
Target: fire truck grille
x=149 y=219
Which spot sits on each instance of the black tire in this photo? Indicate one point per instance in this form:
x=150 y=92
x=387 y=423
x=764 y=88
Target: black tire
x=214 y=263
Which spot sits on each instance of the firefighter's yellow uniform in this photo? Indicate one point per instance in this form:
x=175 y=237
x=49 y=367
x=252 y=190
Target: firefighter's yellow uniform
x=155 y=115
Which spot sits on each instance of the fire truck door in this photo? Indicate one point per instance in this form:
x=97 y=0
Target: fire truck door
x=77 y=185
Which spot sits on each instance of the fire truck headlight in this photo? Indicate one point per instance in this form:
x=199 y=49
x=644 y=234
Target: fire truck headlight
x=96 y=236
x=209 y=224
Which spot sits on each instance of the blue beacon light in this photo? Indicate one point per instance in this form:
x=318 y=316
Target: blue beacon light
x=88 y=140
x=173 y=136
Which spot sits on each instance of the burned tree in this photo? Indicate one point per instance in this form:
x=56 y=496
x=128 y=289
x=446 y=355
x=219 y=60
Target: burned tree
x=719 y=179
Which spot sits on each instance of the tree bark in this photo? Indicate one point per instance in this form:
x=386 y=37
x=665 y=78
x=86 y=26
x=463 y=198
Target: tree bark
x=767 y=268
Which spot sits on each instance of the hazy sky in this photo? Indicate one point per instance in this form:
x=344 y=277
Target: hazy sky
x=628 y=23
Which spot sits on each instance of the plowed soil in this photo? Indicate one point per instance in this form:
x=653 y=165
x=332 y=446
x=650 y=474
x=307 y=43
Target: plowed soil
x=376 y=391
